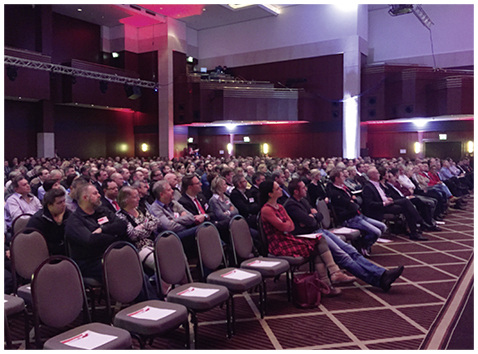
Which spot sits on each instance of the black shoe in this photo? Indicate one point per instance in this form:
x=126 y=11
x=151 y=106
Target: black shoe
x=389 y=276
x=459 y=206
x=418 y=237
x=439 y=218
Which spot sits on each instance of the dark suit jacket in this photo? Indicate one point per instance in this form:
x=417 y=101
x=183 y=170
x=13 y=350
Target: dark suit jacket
x=107 y=204
x=253 y=192
x=299 y=211
x=189 y=205
x=345 y=208
x=247 y=208
x=372 y=202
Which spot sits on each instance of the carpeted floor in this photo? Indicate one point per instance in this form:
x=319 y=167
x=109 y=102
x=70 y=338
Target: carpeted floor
x=427 y=308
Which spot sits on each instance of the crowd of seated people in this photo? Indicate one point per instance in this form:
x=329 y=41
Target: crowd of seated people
x=82 y=206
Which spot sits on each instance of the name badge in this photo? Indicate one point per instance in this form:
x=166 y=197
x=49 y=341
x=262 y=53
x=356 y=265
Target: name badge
x=176 y=215
x=103 y=220
x=251 y=200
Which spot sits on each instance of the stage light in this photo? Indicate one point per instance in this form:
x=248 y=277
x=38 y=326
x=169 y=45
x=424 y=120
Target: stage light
x=230 y=126
x=420 y=123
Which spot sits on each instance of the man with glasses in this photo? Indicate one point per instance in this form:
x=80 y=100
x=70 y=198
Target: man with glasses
x=110 y=189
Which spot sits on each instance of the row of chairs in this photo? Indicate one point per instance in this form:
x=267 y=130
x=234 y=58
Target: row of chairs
x=123 y=281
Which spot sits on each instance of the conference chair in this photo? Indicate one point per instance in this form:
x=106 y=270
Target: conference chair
x=123 y=281
x=58 y=300
x=172 y=268
x=13 y=306
x=242 y=250
x=28 y=249
x=215 y=270
x=20 y=222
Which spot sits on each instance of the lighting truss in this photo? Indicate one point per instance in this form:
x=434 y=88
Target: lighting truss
x=66 y=70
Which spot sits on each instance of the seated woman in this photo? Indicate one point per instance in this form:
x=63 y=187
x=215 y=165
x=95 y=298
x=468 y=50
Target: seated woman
x=141 y=228
x=277 y=227
x=220 y=204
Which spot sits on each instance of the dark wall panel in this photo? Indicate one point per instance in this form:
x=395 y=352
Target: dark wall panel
x=21 y=126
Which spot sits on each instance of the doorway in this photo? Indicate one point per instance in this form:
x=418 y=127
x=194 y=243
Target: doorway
x=247 y=149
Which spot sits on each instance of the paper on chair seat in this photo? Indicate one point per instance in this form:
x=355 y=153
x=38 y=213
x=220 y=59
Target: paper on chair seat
x=199 y=292
x=316 y=235
x=151 y=313
x=264 y=264
x=237 y=274
x=343 y=229
x=88 y=340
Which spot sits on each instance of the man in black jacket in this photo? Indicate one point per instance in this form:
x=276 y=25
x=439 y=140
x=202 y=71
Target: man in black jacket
x=246 y=204
x=348 y=213
x=51 y=220
x=376 y=203
x=90 y=230
x=307 y=220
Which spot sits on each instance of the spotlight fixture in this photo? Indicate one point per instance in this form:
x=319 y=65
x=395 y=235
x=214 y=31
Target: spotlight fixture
x=417 y=10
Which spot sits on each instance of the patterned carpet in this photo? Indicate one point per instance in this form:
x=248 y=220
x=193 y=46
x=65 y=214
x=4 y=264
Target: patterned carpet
x=419 y=312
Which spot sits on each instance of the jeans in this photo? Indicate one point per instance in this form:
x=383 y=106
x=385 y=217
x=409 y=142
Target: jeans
x=346 y=256
x=373 y=228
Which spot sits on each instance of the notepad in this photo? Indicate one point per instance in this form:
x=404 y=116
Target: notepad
x=237 y=274
x=88 y=340
x=151 y=313
x=264 y=264
x=198 y=292
x=312 y=236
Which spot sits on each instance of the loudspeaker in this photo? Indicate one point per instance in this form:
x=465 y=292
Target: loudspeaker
x=133 y=92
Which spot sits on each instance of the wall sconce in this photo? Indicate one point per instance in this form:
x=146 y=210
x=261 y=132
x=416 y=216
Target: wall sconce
x=470 y=148
x=144 y=147
x=229 y=148
x=265 y=148
x=417 y=147
x=123 y=147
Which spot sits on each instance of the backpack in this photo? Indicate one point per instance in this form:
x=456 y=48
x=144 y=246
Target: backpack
x=307 y=289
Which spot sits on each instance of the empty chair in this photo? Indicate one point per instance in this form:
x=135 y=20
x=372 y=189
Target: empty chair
x=20 y=222
x=123 y=279
x=58 y=299
x=14 y=305
x=27 y=250
x=172 y=268
x=214 y=268
x=242 y=247
x=345 y=233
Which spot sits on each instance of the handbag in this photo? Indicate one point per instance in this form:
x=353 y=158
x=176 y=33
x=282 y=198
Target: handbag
x=307 y=290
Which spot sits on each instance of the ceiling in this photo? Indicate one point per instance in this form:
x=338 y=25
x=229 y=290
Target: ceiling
x=197 y=17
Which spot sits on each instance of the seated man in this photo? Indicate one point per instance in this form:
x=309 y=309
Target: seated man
x=51 y=220
x=279 y=177
x=174 y=216
x=376 y=203
x=110 y=195
x=425 y=209
x=348 y=212
x=172 y=179
x=90 y=230
x=248 y=207
x=307 y=220
x=22 y=201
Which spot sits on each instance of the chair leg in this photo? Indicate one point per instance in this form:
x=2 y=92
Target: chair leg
x=8 y=337
x=194 y=320
x=228 y=318
x=233 y=314
x=287 y=278
x=27 y=329
x=186 y=334
x=264 y=301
